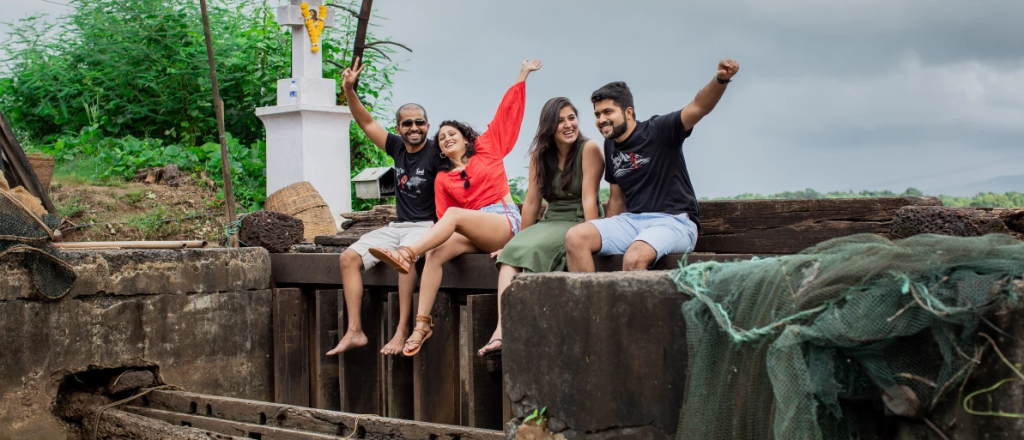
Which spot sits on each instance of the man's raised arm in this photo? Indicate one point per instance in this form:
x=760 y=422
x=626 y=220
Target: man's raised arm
x=377 y=134
x=708 y=97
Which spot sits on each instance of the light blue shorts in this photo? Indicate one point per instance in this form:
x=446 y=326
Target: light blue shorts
x=666 y=233
x=510 y=211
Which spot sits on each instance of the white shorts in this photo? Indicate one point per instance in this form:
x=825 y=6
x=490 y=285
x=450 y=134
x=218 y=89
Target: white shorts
x=389 y=237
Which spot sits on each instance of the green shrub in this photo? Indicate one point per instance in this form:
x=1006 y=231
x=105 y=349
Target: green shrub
x=119 y=85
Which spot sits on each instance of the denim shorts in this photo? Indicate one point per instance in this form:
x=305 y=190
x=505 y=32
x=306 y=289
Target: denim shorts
x=511 y=213
x=666 y=233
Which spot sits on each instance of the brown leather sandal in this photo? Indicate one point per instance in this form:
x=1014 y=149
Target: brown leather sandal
x=406 y=258
x=427 y=333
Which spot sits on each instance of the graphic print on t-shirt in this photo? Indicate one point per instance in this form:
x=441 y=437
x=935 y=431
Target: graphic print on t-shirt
x=623 y=163
x=411 y=185
x=414 y=178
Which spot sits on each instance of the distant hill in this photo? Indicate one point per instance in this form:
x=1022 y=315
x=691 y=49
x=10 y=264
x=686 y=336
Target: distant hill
x=998 y=185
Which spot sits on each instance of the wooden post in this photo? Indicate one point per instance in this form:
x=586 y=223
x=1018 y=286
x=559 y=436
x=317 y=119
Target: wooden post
x=360 y=367
x=363 y=21
x=399 y=369
x=436 y=366
x=218 y=106
x=291 y=347
x=325 y=390
x=484 y=382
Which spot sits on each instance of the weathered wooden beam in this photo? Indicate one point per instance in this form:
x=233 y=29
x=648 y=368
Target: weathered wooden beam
x=436 y=366
x=291 y=347
x=484 y=387
x=470 y=271
x=399 y=371
x=123 y=425
x=775 y=226
x=228 y=427
x=789 y=226
x=360 y=367
x=309 y=419
x=325 y=369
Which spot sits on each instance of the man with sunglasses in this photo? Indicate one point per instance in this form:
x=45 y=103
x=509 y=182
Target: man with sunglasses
x=417 y=159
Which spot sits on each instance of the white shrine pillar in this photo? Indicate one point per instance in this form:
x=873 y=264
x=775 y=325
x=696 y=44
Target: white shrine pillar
x=308 y=140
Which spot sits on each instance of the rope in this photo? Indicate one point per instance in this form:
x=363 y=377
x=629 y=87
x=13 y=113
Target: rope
x=1017 y=372
x=96 y=427
x=356 y=427
x=232 y=229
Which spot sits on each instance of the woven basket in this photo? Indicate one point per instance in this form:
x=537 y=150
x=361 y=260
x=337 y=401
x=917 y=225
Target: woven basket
x=43 y=166
x=302 y=201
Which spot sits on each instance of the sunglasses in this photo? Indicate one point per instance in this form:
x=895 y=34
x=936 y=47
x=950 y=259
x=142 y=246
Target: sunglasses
x=420 y=122
x=466 y=178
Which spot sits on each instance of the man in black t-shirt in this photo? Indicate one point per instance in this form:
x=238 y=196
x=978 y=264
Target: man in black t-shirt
x=652 y=210
x=416 y=164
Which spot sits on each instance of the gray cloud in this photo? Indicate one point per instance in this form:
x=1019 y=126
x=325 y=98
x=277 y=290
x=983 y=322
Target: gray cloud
x=830 y=95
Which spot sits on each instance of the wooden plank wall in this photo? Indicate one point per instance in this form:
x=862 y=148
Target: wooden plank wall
x=360 y=367
x=324 y=371
x=290 y=314
x=484 y=382
x=399 y=369
x=436 y=367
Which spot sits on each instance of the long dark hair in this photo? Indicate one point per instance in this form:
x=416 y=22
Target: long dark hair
x=467 y=132
x=544 y=150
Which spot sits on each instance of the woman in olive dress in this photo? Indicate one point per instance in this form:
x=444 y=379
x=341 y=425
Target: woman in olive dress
x=565 y=170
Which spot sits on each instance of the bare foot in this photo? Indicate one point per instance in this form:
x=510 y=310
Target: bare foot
x=494 y=344
x=351 y=340
x=395 y=346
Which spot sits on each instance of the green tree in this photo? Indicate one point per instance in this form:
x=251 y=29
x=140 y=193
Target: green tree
x=125 y=84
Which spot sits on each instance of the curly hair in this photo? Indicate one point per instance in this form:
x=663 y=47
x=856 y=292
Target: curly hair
x=467 y=132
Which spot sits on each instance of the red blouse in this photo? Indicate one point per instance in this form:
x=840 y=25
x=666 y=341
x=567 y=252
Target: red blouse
x=486 y=169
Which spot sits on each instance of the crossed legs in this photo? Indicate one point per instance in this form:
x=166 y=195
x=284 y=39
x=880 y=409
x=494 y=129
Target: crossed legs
x=460 y=231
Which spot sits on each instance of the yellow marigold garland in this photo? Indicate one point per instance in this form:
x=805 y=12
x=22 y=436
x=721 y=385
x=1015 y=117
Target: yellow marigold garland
x=314 y=26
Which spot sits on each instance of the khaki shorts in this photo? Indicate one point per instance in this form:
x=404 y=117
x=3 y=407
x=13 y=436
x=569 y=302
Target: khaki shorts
x=389 y=237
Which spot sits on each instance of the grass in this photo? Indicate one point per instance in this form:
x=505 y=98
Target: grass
x=71 y=207
x=83 y=172
x=132 y=197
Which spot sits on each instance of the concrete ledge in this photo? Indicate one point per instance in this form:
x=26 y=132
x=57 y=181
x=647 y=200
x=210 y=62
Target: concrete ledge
x=149 y=272
x=605 y=353
x=202 y=318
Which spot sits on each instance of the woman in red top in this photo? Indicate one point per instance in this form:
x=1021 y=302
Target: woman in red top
x=475 y=209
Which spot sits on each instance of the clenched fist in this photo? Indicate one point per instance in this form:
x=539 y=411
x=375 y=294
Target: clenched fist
x=727 y=68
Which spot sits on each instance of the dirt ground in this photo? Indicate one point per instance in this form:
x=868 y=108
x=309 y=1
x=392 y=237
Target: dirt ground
x=124 y=211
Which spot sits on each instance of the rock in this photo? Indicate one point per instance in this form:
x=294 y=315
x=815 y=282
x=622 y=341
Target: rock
x=168 y=175
x=171 y=175
x=130 y=381
x=958 y=222
x=273 y=231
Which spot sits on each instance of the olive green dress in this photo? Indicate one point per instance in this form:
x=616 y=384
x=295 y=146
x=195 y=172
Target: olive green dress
x=541 y=247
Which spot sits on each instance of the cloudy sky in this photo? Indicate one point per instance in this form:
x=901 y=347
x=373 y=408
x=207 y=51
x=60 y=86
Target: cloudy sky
x=836 y=95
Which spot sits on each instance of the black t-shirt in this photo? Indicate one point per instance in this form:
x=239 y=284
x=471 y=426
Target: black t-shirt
x=650 y=169
x=414 y=179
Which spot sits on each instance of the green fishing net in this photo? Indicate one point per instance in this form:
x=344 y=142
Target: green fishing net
x=28 y=239
x=820 y=344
